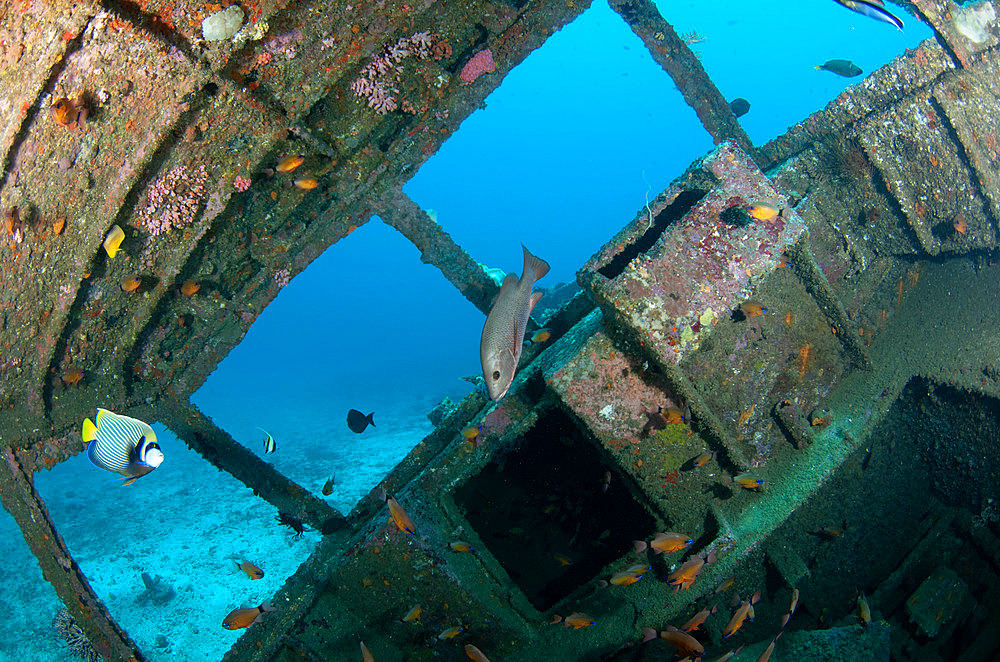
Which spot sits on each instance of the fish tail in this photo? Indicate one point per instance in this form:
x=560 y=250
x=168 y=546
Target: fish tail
x=89 y=432
x=818 y=68
x=371 y=422
x=536 y=266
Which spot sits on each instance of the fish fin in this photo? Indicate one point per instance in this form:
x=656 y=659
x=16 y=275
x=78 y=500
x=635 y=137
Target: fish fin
x=536 y=266
x=509 y=283
x=129 y=481
x=371 y=422
x=533 y=301
x=818 y=68
x=89 y=432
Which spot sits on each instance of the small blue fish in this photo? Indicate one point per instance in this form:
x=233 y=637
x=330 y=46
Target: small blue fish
x=269 y=444
x=872 y=9
x=122 y=445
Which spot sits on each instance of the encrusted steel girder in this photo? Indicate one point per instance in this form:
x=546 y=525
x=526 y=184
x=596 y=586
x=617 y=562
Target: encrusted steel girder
x=215 y=445
x=672 y=53
x=438 y=248
x=17 y=492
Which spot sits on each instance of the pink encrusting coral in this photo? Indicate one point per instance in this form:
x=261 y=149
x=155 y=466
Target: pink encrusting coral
x=377 y=82
x=172 y=200
x=480 y=63
x=241 y=183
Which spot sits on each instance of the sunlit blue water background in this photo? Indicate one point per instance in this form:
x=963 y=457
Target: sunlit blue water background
x=562 y=155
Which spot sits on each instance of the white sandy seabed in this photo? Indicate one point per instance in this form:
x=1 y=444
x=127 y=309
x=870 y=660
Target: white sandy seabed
x=185 y=523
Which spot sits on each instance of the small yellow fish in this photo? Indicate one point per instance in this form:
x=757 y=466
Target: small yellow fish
x=306 y=184
x=670 y=542
x=864 y=611
x=130 y=283
x=413 y=614
x=451 y=632
x=541 y=336
x=399 y=516
x=113 y=242
x=763 y=212
x=462 y=546
x=289 y=163
x=562 y=560
x=624 y=578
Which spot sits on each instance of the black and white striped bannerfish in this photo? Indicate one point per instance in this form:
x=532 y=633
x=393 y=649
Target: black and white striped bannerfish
x=269 y=444
x=122 y=445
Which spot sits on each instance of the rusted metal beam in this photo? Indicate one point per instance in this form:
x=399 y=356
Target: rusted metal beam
x=17 y=492
x=215 y=445
x=438 y=248
x=965 y=31
x=672 y=53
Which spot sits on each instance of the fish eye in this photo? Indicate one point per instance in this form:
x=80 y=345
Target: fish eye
x=496 y=374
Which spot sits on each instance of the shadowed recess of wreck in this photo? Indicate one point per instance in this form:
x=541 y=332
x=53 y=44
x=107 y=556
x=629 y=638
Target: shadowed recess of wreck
x=549 y=514
x=574 y=181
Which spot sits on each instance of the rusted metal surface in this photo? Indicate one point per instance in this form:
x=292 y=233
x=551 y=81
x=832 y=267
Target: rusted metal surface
x=967 y=30
x=438 y=248
x=22 y=501
x=215 y=445
x=672 y=53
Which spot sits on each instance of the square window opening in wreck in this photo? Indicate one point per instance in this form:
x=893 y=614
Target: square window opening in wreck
x=547 y=513
x=165 y=547
x=578 y=133
x=349 y=332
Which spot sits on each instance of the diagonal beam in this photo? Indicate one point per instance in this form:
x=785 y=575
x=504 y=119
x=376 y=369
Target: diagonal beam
x=19 y=497
x=215 y=445
x=438 y=248
x=671 y=52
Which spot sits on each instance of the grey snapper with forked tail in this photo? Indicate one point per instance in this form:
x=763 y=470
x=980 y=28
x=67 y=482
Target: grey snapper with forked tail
x=503 y=333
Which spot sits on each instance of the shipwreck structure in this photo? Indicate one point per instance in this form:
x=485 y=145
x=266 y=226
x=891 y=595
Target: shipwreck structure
x=880 y=249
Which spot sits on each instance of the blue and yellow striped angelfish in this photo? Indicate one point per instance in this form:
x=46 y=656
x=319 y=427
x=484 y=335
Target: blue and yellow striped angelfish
x=120 y=444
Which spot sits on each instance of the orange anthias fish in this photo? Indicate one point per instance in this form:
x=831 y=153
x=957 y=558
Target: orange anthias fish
x=669 y=542
x=307 y=184
x=541 y=336
x=72 y=377
x=791 y=608
x=703 y=459
x=685 y=575
x=740 y=616
x=748 y=481
x=751 y=309
x=400 y=518
x=626 y=578
x=366 y=655
x=684 y=643
x=130 y=283
x=253 y=572
x=698 y=619
x=475 y=654
x=462 y=546
x=189 y=288
x=289 y=163
x=244 y=617
x=578 y=620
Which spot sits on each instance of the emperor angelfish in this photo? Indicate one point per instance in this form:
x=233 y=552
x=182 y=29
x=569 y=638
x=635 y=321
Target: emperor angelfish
x=122 y=445
x=503 y=333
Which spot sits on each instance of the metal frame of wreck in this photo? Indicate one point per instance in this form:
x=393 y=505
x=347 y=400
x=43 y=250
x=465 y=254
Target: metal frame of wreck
x=369 y=162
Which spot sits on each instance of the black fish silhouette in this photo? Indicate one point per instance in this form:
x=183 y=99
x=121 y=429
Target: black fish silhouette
x=358 y=422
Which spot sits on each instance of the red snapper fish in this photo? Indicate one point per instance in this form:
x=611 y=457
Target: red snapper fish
x=503 y=334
